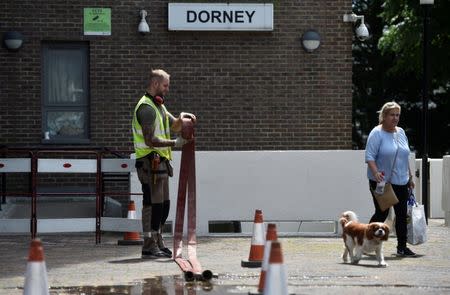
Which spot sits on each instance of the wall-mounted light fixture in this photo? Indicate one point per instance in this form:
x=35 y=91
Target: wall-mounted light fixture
x=361 y=31
x=143 y=25
x=310 y=40
x=12 y=40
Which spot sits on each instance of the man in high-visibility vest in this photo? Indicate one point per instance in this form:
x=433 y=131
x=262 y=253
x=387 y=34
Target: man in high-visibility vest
x=152 y=124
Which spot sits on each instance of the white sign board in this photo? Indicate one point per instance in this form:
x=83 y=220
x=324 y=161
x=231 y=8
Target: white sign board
x=220 y=17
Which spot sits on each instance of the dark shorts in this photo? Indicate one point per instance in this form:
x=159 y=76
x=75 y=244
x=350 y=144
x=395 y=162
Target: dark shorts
x=155 y=180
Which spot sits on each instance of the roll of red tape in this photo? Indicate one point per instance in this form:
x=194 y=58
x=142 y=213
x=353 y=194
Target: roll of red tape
x=187 y=129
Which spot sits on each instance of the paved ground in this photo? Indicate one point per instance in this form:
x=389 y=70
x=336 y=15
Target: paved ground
x=313 y=266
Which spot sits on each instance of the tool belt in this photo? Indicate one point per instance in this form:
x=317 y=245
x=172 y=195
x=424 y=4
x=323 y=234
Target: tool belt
x=158 y=164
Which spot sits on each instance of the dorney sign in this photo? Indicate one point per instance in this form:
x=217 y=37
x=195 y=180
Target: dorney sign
x=220 y=17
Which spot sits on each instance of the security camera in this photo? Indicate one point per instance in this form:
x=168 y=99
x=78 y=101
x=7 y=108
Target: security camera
x=143 y=27
x=362 y=32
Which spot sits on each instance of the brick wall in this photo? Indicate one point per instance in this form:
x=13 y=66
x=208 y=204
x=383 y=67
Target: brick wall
x=249 y=90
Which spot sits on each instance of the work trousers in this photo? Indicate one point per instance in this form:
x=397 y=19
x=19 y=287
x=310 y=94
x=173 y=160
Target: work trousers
x=155 y=188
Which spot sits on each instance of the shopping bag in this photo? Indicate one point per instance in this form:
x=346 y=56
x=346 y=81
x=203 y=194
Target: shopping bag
x=387 y=199
x=416 y=222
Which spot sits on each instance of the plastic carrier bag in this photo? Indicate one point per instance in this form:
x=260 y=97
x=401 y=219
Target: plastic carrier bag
x=416 y=222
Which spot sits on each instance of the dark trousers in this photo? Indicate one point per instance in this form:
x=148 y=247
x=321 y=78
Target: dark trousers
x=400 y=212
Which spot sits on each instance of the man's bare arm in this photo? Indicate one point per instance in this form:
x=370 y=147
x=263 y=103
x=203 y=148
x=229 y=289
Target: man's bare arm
x=146 y=117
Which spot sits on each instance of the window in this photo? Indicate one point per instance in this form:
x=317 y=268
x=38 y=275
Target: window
x=65 y=93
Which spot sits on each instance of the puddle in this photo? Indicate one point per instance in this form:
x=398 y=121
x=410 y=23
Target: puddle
x=174 y=285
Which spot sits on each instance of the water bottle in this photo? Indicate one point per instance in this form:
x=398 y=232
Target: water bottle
x=380 y=185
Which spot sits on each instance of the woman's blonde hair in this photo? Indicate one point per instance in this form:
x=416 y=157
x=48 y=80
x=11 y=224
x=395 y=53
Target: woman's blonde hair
x=382 y=113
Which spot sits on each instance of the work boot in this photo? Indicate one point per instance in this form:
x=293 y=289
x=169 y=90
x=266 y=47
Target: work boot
x=162 y=246
x=150 y=249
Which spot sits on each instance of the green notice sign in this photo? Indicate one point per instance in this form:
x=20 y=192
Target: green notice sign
x=97 y=21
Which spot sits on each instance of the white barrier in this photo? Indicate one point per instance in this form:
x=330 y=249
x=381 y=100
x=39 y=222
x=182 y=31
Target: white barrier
x=15 y=165
x=287 y=185
x=446 y=188
x=435 y=186
x=436 y=189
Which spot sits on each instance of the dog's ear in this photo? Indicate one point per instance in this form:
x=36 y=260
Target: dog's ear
x=370 y=231
x=343 y=221
x=386 y=232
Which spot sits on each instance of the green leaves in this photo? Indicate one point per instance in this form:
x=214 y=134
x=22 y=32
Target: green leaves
x=389 y=67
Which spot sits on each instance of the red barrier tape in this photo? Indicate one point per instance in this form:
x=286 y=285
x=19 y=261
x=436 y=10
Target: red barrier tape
x=190 y=266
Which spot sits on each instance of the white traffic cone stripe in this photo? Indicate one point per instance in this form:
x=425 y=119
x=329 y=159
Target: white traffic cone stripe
x=265 y=264
x=276 y=280
x=258 y=234
x=131 y=214
x=36 y=282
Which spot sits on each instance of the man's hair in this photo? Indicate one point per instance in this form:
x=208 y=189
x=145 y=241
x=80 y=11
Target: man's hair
x=158 y=75
x=385 y=110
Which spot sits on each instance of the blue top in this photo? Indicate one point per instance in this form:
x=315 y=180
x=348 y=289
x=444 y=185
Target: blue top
x=381 y=147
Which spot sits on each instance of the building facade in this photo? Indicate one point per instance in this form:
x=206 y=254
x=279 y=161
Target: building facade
x=251 y=90
x=75 y=81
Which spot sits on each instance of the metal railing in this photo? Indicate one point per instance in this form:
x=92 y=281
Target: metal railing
x=54 y=161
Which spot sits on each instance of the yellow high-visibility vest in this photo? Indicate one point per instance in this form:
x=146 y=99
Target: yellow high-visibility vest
x=162 y=131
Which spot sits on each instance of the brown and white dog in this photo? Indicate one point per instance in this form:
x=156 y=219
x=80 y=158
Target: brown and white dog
x=362 y=238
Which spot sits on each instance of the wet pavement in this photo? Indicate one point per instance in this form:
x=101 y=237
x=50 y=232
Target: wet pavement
x=75 y=265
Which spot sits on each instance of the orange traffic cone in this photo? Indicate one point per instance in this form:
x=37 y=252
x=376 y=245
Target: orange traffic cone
x=36 y=281
x=131 y=238
x=257 y=247
x=276 y=280
x=271 y=236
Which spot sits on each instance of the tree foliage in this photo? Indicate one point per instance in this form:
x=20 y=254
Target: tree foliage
x=389 y=67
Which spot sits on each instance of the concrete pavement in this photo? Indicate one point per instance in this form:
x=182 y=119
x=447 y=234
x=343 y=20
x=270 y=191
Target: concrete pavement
x=313 y=265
